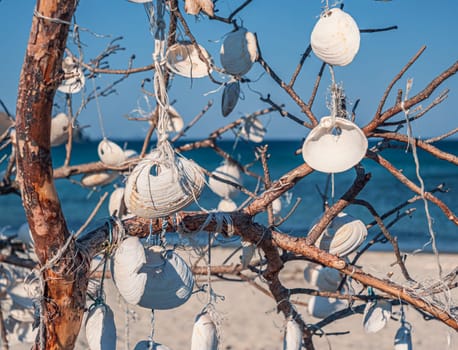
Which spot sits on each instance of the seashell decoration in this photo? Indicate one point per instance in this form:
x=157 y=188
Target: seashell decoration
x=6 y=123
x=227 y=171
x=343 y=235
x=204 y=333
x=376 y=315
x=145 y=345
x=160 y=186
x=248 y=250
x=183 y=59
x=230 y=97
x=334 y=146
x=116 y=202
x=321 y=307
x=130 y=153
x=276 y=206
x=59 y=129
x=226 y=205
x=193 y=7
x=252 y=130
x=98 y=179
x=238 y=52
x=327 y=279
x=110 y=153
x=75 y=81
x=335 y=38
x=151 y=278
x=311 y=273
x=403 y=337
x=176 y=122
x=293 y=336
x=100 y=328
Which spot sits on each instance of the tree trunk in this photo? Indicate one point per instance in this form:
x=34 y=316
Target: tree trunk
x=64 y=270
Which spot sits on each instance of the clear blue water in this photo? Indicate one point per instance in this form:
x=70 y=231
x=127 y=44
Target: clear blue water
x=383 y=191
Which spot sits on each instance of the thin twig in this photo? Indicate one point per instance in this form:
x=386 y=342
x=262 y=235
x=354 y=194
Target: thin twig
x=92 y=215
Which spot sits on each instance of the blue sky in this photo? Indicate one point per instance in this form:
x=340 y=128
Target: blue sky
x=283 y=30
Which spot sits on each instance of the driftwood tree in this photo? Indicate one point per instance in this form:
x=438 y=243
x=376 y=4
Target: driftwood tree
x=63 y=259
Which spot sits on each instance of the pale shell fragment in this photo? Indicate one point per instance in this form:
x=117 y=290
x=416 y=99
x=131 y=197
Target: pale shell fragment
x=252 y=129
x=227 y=171
x=327 y=279
x=116 y=202
x=334 y=147
x=238 y=52
x=226 y=205
x=335 y=38
x=59 y=129
x=376 y=315
x=193 y=7
x=403 y=338
x=276 y=206
x=293 y=336
x=110 y=153
x=145 y=345
x=230 y=97
x=343 y=235
x=321 y=307
x=183 y=59
x=98 y=179
x=100 y=328
x=204 y=333
x=76 y=79
x=176 y=122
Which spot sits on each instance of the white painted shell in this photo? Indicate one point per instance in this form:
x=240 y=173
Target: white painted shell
x=116 y=202
x=159 y=187
x=98 y=179
x=376 y=315
x=343 y=235
x=403 y=338
x=24 y=234
x=75 y=81
x=321 y=307
x=334 y=148
x=327 y=279
x=293 y=336
x=5 y=124
x=226 y=205
x=248 y=250
x=238 y=52
x=110 y=153
x=59 y=129
x=204 y=333
x=145 y=345
x=183 y=59
x=276 y=206
x=230 y=97
x=193 y=7
x=335 y=38
x=229 y=172
x=252 y=130
x=151 y=278
x=100 y=328
x=176 y=122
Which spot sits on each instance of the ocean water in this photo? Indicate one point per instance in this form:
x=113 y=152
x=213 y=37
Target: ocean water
x=383 y=191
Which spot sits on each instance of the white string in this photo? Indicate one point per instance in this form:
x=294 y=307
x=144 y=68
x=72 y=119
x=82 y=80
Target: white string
x=99 y=112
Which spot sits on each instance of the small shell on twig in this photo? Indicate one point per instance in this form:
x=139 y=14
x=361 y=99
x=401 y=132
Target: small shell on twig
x=193 y=7
x=204 y=333
x=227 y=171
x=327 y=279
x=252 y=129
x=321 y=307
x=293 y=336
x=110 y=153
x=376 y=315
x=334 y=145
x=276 y=206
x=238 y=52
x=176 y=122
x=335 y=38
x=116 y=203
x=100 y=328
x=59 y=129
x=183 y=59
x=403 y=337
x=230 y=97
x=98 y=179
x=75 y=81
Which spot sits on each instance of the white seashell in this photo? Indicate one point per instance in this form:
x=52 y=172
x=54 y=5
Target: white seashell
x=311 y=272
x=149 y=279
x=276 y=206
x=5 y=124
x=160 y=187
x=293 y=336
x=59 y=129
x=110 y=153
x=100 y=328
x=24 y=234
x=343 y=235
x=176 y=122
x=76 y=79
x=226 y=205
x=204 y=333
x=333 y=148
x=183 y=59
x=193 y=7
x=230 y=97
x=321 y=307
x=376 y=315
x=116 y=202
x=335 y=38
x=238 y=52
x=229 y=172
x=253 y=130
x=403 y=338
x=248 y=250
x=327 y=279
x=98 y=179
x=145 y=345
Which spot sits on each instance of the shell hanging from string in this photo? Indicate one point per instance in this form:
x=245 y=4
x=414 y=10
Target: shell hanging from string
x=98 y=179
x=183 y=59
x=376 y=315
x=74 y=79
x=238 y=52
x=292 y=339
x=116 y=204
x=100 y=328
x=230 y=172
x=226 y=205
x=59 y=129
x=231 y=94
x=252 y=129
x=204 y=333
x=322 y=307
x=110 y=153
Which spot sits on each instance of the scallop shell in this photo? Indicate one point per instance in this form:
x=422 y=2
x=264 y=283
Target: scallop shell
x=403 y=338
x=327 y=279
x=193 y=7
x=230 y=97
x=116 y=202
x=227 y=171
x=98 y=179
x=159 y=187
x=204 y=333
x=183 y=59
x=110 y=153
x=253 y=130
x=335 y=38
x=145 y=345
x=176 y=122
x=100 y=328
x=293 y=336
x=76 y=79
x=5 y=124
x=343 y=235
x=321 y=307
x=376 y=315
x=334 y=148
x=248 y=250
x=59 y=129
x=150 y=279
x=238 y=52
